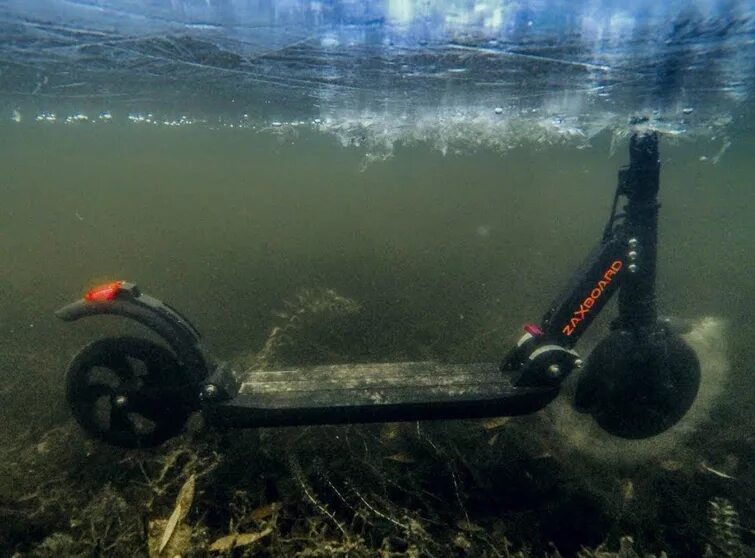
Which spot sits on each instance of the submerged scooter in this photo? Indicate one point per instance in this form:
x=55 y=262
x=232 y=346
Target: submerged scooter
x=638 y=381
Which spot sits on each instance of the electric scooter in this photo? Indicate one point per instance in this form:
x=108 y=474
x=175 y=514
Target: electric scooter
x=638 y=381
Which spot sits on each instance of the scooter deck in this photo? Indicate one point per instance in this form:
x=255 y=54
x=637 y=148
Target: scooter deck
x=376 y=392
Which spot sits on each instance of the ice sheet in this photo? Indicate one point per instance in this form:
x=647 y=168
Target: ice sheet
x=450 y=72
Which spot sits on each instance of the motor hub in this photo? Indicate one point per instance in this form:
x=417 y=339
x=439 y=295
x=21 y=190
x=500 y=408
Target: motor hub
x=637 y=384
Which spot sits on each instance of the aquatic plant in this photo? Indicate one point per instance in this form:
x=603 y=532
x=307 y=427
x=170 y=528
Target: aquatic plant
x=725 y=539
x=299 y=334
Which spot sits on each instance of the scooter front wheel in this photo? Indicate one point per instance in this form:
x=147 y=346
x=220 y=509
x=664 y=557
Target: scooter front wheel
x=639 y=388
x=128 y=392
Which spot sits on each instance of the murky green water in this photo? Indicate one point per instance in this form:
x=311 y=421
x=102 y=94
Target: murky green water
x=224 y=224
x=447 y=254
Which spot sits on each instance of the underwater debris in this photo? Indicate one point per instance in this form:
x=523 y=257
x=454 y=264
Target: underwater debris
x=627 y=490
x=183 y=505
x=468 y=527
x=726 y=540
x=229 y=542
x=708 y=469
x=495 y=422
x=401 y=457
x=105 y=527
x=311 y=497
x=263 y=512
x=626 y=550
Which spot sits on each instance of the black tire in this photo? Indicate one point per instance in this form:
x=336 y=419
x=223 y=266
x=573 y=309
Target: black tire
x=637 y=390
x=128 y=391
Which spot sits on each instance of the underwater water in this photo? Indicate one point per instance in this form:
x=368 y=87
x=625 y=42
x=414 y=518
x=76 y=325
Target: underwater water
x=370 y=182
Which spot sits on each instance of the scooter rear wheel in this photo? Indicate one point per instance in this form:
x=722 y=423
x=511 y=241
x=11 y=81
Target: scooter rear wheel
x=127 y=391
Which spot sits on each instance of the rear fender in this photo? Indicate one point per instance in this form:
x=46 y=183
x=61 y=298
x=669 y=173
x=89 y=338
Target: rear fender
x=125 y=299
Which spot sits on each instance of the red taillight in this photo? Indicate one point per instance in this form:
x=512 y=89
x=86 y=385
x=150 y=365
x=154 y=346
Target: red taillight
x=533 y=330
x=104 y=293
